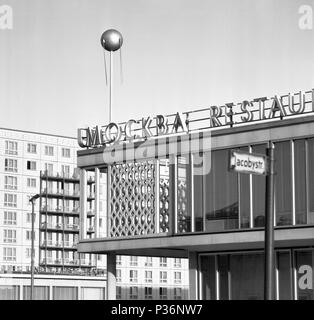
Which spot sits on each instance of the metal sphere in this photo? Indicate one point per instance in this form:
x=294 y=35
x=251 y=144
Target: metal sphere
x=111 y=40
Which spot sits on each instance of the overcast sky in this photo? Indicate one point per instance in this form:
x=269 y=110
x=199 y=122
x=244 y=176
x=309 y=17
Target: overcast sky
x=178 y=55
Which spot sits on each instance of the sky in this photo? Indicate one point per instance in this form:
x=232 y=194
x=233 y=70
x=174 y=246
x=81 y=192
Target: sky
x=177 y=55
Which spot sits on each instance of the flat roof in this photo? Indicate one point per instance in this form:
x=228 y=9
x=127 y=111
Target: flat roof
x=39 y=133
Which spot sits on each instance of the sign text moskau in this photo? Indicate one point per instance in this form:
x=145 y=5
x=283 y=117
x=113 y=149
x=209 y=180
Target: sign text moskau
x=229 y=114
x=245 y=162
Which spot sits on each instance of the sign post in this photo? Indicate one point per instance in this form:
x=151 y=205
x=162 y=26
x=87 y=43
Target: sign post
x=269 y=273
x=258 y=164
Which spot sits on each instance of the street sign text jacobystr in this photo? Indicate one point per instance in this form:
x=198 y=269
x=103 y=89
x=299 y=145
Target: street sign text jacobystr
x=245 y=162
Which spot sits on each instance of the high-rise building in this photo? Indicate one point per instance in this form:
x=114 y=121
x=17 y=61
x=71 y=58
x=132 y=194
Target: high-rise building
x=36 y=163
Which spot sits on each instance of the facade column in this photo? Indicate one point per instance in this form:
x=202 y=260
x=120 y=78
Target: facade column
x=111 y=276
x=97 y=200
x=83 y=204
x=193 y=276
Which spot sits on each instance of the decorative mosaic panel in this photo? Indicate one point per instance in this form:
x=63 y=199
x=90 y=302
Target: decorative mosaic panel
x=132 y=199
x=164 y=204
x=184 y=221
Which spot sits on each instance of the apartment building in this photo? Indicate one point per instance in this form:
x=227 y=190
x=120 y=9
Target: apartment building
x=32 y=163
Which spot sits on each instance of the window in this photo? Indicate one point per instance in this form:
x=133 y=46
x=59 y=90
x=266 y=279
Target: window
x=29 y=217
x=10 y=182
x=10 y=165
x=222 y=213
x=133 y=292
x=177 y=277
x=31 y=165
x=49 y=167
x=149 y=262
x=29 y=235
x=133 y=261
x=9 y=236
x=300 y=181
x=177 y=263
x=10 y=200
x=11 y=147
x=31 y=182
x=163 y=293
x=163 y=262
x=283 y=186
x=163 y=276
x=133 y=275
x=9 y=254
x=148 y=276
x=65 y=293
x=118 y=260
x=39 y=293
x=65 y=170
x=48 y=150
x=9 y=292
x=31 y=148
x=148 y=291
x=119 y=293
x=66 y=152
x=177 y=293
x=9 y=218
x=28 y=252
x=118 y=275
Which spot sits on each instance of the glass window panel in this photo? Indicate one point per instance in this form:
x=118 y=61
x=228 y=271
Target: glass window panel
x=64 y=293
x=92 y=293
x=247 y=276
x=304 y=269
x=9 y=292
x=184 y=195
x=40 y=293
x=208 y=277
x=310 y=144
x=221 y=204
x=198 y=191
x=244 y=193
x=283 y=183
x=223 y=267
x=300 y=181
x=284 y=275
x=259 y=188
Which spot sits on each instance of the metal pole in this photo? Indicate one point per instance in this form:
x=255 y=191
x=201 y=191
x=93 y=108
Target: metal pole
x=110 y=85
x=269 y=271
x=33 y=254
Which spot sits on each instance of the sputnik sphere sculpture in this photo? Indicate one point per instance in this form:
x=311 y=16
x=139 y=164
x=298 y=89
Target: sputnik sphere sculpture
x=111 y=40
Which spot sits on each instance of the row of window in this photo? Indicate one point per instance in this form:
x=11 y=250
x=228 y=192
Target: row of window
x=10 y=217
x=163 y=292
x=11 y=147
x=10 y=182
x=225 y=200
x=9 y=235
x=149 y=261
x=10 y=165
x=163 y=276
x=10 y=200
x=12 y=292
x=9 y=253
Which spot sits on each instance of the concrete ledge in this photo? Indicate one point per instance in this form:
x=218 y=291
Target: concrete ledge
x=179 y=245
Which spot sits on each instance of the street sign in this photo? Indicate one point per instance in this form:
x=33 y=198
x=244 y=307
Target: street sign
x=245 y=162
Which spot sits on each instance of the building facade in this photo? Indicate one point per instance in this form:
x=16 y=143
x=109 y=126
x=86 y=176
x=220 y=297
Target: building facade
x=32 y=163
x=201 y=210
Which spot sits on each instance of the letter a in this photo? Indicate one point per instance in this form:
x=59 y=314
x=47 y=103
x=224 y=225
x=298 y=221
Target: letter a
x=306 y=281
x=306 y=20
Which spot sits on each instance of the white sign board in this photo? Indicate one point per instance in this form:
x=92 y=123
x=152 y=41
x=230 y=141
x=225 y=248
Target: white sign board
x=245 y=162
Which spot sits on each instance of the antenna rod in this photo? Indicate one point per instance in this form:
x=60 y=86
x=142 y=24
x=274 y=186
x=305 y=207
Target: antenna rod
x=110 y=86
x=111 y=40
